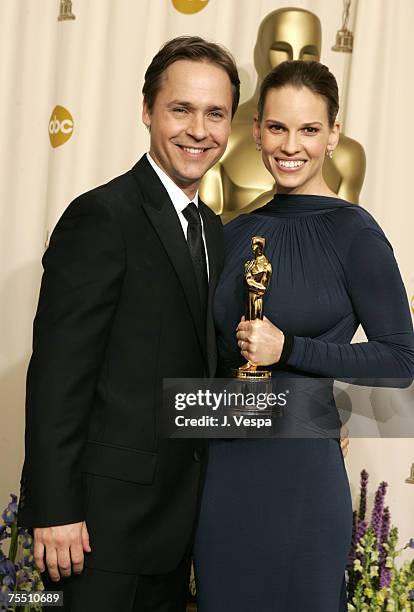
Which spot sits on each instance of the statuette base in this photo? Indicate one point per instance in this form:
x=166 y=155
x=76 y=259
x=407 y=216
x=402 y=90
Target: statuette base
x=242 y=374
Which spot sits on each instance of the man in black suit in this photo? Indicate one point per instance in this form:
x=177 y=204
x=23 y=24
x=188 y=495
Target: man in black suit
x=125 y=301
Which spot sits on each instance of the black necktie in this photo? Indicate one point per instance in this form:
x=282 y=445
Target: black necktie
x=197 y=251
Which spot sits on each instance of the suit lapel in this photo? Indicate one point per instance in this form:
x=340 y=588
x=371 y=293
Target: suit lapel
x=166 y=223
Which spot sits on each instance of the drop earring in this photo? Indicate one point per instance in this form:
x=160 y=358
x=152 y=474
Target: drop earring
x=258 y=146
x=329 y=153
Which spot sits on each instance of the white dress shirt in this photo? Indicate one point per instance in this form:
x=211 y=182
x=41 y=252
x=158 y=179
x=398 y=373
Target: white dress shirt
x=180 y=201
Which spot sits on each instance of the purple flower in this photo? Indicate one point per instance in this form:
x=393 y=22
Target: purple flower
x=8 y=571
x=351 y=555
x=360 y=532
x=28 y=558
x=10 y=513
x=24 y=577
x=358 y=521
x=4 y=590
x=13 y=503
x=409 y=544
x=411 y=594
x=25 y=540
x=363 y=495
x=385 y=575
x=8 y=581
x=376 y=517
x=3 y=532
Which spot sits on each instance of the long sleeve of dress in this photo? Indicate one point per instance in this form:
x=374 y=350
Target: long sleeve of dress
x=379 y=300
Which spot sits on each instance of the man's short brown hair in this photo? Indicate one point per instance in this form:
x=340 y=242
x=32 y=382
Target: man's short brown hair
x=191 y=48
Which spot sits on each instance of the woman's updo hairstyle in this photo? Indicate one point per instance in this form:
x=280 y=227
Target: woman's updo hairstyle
x=297 y=73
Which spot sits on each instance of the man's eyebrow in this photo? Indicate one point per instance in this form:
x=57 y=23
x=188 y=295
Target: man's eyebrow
x=215 y=107
x=184 y=103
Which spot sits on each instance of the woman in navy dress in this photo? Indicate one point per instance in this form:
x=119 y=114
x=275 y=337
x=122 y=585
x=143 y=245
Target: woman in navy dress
x=276 y=516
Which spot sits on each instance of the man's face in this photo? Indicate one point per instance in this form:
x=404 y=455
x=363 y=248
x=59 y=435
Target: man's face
x=190 y=121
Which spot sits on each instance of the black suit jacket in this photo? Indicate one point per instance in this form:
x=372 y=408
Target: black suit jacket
x=118 y=311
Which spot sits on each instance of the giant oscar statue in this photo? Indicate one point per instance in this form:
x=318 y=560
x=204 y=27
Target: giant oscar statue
x=240 y=182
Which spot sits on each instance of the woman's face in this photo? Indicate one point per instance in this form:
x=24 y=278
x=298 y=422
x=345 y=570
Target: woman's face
x=294 y=134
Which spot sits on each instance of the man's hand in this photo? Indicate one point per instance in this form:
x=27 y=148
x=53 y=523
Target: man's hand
x=64 y=546
x=344 y=435
x=260 y=342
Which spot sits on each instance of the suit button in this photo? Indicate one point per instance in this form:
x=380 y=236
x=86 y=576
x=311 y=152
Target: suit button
x=197 y=454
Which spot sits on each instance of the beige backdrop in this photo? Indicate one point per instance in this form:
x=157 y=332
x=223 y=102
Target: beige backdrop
x=93 y=67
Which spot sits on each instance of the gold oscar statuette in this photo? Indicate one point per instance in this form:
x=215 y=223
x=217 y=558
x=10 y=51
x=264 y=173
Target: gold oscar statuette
x=65 y=11
x=257 y=273
x=410 y=479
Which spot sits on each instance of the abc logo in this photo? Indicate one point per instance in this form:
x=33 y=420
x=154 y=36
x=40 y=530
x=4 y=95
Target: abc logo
x=189 y=6
x=60 y=126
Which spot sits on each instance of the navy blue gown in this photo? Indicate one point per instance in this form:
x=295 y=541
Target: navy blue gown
x=275 y=522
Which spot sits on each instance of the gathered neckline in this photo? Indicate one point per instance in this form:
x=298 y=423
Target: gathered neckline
x=292 y=204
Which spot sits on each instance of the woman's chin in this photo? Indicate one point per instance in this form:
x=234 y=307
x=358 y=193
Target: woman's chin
x=286 y=186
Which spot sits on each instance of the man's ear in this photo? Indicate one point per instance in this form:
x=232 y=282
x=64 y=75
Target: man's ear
x=146 y=115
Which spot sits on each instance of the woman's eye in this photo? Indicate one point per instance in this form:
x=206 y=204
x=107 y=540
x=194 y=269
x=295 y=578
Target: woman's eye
x=275 y=127
x=311 y=130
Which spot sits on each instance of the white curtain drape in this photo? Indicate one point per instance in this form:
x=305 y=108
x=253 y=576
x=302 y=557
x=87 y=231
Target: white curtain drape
x=380 y=102
x=93 y=67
